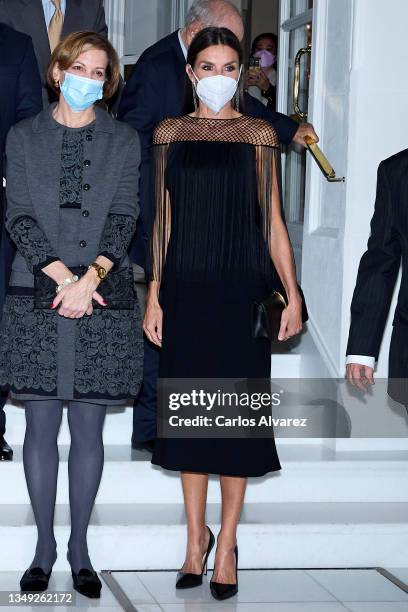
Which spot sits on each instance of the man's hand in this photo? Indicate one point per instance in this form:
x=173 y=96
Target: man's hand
x=360 y=375
x=305 y=129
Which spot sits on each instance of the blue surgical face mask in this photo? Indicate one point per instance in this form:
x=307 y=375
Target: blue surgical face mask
x=79 y=92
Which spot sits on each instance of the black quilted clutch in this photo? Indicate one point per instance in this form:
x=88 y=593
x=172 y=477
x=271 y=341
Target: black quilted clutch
x=266 y=315
x=117 y=289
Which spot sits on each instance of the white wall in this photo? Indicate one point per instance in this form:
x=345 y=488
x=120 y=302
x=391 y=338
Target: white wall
x=359 y=108
x=322 y=255
x=378 y=109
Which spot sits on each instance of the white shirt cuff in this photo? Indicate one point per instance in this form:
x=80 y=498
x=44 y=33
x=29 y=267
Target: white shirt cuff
x=362 y=360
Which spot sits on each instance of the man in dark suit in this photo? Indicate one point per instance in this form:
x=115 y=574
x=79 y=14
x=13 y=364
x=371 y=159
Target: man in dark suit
x=33 y=17
x=376 y=278
x=154 y=91
x=20 y=97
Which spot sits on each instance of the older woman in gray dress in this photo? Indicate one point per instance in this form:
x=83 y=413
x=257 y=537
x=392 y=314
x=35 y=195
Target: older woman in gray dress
x=71 y=326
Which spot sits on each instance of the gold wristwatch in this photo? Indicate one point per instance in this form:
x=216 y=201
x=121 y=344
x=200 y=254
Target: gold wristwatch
x=100 y=270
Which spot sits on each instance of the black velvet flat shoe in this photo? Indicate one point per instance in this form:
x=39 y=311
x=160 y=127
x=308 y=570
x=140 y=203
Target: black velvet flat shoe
x=6 y=452
x=35 y=579
x=146 y=445
x=187 y=580
x=219 y=590
x=87 y=583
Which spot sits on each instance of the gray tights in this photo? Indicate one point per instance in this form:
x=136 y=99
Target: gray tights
x=85 y=465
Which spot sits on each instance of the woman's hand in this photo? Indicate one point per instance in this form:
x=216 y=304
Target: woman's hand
x=291 y=319
x=76 y=298
x=153 y=321
x=258 y=78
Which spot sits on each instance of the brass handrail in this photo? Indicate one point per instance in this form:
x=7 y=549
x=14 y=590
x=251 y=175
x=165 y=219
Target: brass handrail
x=322 y=161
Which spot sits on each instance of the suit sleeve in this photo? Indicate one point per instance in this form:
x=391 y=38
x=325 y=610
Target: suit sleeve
x=140 y=98
x=284 y=126
x=29 y=92
x=377 y=274
x=121 y=221
x=100 y=22
x=30 y=239
x=140 y=108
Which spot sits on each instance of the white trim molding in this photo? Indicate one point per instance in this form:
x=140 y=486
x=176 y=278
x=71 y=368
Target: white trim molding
x=115 y=18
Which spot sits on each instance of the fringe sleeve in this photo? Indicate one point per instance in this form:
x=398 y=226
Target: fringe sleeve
x=162 y=217
x=268 y=166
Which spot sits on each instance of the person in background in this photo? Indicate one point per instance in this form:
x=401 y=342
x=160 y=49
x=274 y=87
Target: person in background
x=20 y=97
x=48 y=21
x=71 y=326
x=155 y=91
x=261 y=82
x=376 y=278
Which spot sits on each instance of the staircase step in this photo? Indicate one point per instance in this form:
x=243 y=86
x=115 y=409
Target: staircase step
x=279 y=535
x=309 y=474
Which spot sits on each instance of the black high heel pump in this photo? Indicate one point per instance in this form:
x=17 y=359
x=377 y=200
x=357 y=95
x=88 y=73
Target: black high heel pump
x=219 y=590
x=186 y=580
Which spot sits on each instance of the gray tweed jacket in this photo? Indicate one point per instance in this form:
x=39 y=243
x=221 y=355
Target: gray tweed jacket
x=33 y=162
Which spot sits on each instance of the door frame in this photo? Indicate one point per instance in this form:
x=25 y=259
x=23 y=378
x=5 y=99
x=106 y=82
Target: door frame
x=314 y=181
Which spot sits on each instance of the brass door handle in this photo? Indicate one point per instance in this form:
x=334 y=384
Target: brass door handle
x=311 y=144
x=296 y=81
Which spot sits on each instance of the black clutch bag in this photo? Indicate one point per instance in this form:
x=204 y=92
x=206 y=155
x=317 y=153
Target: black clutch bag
x=116 y=288
x=266 y=315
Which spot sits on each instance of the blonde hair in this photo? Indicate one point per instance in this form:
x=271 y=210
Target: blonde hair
x=71 y=47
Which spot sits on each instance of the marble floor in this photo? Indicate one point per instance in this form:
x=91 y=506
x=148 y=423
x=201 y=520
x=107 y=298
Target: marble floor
x=298 y=590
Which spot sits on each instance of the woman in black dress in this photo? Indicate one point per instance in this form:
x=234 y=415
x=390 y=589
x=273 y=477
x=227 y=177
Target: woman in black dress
x=218 y=209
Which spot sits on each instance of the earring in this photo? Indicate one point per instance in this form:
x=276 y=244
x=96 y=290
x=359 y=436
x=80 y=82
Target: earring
x=236 y=100
x=195 y=98
x=57 y=83
x=238 y=91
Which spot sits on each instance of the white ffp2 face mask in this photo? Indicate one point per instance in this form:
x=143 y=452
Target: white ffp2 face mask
x=216 y=91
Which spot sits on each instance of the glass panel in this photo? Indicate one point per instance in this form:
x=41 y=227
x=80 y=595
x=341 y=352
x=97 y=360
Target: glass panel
x=295 y=163
x=299 y=6
x=146 y=23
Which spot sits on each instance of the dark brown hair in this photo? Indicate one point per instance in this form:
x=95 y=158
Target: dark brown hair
x=269 y=35
x=71 y=47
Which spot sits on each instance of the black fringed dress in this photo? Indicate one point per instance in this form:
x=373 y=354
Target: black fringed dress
x=216 y=185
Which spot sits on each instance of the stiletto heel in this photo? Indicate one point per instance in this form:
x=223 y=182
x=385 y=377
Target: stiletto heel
x=219 y=590
x=186 y=580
